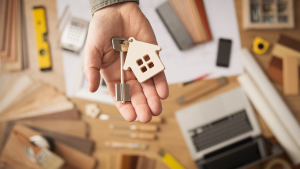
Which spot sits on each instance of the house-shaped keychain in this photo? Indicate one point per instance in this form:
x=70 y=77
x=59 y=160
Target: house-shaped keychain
x=143 y=59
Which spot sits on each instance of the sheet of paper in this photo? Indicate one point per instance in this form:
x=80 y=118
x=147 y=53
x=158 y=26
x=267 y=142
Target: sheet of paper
x=186 y=65
x=180 y=65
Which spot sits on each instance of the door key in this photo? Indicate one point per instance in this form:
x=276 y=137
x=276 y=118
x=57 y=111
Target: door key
x=122 y=90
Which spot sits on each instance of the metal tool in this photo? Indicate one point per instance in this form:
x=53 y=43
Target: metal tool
x=149 y=127
x=122 y=90
x=143 y=136
x=115 y=144
x=155 y=119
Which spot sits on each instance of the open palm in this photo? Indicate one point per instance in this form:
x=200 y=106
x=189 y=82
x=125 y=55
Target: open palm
x=122 y=20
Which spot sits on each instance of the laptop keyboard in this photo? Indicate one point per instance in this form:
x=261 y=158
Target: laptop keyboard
x=220 y=130
x=237 y=159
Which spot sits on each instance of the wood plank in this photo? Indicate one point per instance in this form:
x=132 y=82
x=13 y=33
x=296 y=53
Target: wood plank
x=66 y=127
x=17 y=64
x=13 y=154
x=290 y=75
x=3 y=16
x=10 y=54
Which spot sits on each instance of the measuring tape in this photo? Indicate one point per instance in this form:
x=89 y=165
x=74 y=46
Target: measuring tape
x=278 y=161
x=169 y=160
x=41 y=34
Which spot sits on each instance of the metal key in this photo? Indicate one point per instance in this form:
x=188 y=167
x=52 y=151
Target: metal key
x=122 y=90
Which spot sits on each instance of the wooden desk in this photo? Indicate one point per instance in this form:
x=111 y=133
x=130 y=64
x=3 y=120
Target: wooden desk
x=169 y=136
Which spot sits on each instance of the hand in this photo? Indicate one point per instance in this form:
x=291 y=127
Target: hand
x=123 y=20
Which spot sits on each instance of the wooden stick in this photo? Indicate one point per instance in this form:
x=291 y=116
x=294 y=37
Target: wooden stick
x=201 y=90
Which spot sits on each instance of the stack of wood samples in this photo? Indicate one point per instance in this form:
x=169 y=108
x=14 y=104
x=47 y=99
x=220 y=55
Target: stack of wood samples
x=12 y=36
x=193 y=17
x=35 y=108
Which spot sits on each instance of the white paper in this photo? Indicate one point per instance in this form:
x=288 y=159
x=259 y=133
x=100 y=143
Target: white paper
x=269 y=116
x=180 y=66
x=271 y=95
x=186 y=65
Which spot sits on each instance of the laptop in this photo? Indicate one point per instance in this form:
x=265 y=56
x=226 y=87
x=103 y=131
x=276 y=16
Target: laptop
x=221 y=130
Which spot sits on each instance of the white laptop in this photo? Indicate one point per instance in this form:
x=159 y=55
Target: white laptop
x=218 y=122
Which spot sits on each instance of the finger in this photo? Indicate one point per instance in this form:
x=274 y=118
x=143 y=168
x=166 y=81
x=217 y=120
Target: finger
x=139 y=102
x=137 y=107
x=92 y=65
x=152 y=97
x=161 y=85
x=126 y=110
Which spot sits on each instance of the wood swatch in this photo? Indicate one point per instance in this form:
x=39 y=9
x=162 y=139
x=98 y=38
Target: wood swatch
x=274 y=70
x=81 y=144
x=192 y=15
x=286 y=46
x=290 y=75
x=204 y=19
x=13 y=154
x=65 y=127
x=136 y=162
x=44 y=100
x=8 y=24
x=17 y=63
x=9 y=54
x=71 y=114
x=3 y=17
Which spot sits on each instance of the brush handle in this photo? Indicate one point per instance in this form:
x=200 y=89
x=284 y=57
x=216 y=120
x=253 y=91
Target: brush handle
x=149 y=127
x=26 y=141
x=146 y=136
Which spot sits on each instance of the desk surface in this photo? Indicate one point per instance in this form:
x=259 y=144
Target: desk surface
x=169 y=135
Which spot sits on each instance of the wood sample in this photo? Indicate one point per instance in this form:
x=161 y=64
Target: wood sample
x=16 y=91
x=8 y=24
x=73 y=128
x=136 y=162
x=3 y=15
x=9 y=54
x=17 y=64
x=70 y=114
x=192 y=15
x=274 y=70
x=41 y=101
x=203 y=17
x=81 y=144
x=286 y=46
x=290 y=75
x=14 y=156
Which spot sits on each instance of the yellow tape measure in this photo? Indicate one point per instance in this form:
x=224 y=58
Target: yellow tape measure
x=41 y=34
x=169 y=160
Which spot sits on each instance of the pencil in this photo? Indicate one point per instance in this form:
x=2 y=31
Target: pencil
x=194 y=80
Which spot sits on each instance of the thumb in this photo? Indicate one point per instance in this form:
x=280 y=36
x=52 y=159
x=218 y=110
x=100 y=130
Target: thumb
x=92 y=66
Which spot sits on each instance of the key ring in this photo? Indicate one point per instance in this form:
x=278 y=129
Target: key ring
x=127 y=40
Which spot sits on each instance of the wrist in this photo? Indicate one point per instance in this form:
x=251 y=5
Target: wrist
x=99 y=5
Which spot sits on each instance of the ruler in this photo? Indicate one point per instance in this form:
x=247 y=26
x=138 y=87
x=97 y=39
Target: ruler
x=169 y=160
x=41 y=34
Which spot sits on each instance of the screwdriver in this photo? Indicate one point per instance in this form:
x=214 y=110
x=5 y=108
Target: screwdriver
x=149 y=127
x=143 y=136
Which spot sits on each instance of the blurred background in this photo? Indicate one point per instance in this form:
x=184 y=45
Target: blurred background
x=232 y=67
